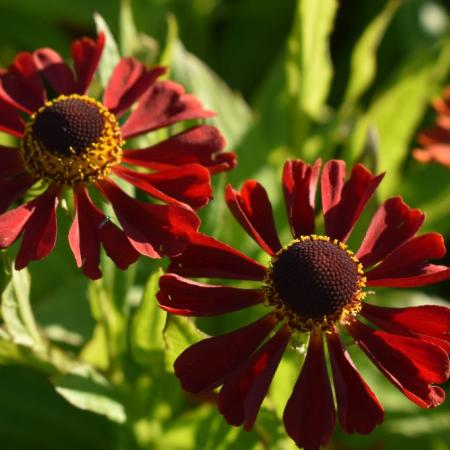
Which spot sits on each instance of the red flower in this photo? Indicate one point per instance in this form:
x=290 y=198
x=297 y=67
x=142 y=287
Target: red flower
x=75 y=142
x=314 y=285
x=436 y=140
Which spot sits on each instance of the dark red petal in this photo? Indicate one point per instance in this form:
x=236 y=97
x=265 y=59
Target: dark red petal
x=129 y=80
x=252 y=209
x=164 y=104
x=55 y=71
x=116 y=244
x=434 y=135
x=86 y=55
x=185 y=297
x=202 y=144
x=342 y=202
x=392 y=225
x=20 y=85
x=10 y=120
x=439 y=153
x=299 y=186
x=409 y=364
x=359 y=410
x=40 y=230
x=427 y=320
x=12 y=189
x=243 y=393
x=83 y=238
x=204 y=256
x=11 y=162
x=189 y=184
x=206 y=364
x=407 y=265
x=13 y=222
x=153 y=230
x=309 y=417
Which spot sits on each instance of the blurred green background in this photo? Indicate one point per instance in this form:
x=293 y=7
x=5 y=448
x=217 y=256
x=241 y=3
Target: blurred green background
x=304 y=78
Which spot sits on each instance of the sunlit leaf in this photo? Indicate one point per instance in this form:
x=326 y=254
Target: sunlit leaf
x=88 y=390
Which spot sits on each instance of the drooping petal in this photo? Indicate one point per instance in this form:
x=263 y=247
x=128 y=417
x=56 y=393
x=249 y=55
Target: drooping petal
x=252 y=209
x=189 y=184
x=204 y=256
x=153 y=230
x=202 y=144
x=392 y=225
x=10 y=120
x=40 y=230
x=11 y=162
x=86 y=55
x=434 y=135
x=358 y=408
x=13 y=222
x=83 y=239
x=20 y=85
x=12 y=189
x=343 y=202
x=422 y=321
x=407 y=266
x=116 y=245
x=129 y=80
x=439 y=153
x=243 y=393
x=299 y=186
x=411 y=365
x=55 y=70
x=309 y=416
x=185 y=297
x=206 y=364
x=164 y=104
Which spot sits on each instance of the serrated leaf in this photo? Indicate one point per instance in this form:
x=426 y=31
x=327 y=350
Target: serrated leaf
x=179 y=334
x=146 y=334
x=110 y=56
x=364 y=63
x=16 y=310
x=90 y=391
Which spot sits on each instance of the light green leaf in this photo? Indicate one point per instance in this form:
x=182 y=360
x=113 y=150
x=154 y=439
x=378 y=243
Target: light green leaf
x=90 y=391
x=308 y=65
x=110 y=56
x=146 y=334
x=364 y=62
x=233 y=114
x=15 y=354
x=16 y=310
x=179 y=334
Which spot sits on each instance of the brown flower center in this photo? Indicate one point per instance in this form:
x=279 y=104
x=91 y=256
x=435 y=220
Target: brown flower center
x=314 y=281
x=72 y=139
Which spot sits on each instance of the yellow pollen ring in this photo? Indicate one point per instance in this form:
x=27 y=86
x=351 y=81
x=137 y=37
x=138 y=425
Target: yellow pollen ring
x=326 y=323
x=89 y=165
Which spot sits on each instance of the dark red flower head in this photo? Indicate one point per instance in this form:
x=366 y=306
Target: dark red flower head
x=69 y=140
x=315 y=284
x=436 y=139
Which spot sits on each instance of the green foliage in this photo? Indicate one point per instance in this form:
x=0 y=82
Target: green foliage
x=90 y=365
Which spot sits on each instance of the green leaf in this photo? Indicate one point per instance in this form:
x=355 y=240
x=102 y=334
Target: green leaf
x=198 y=78
x=15 y=354
x=110 y=56
x=308 y=65
x=88 y=390
x=146 y=334
x=16 y=310
x=34 y=417
x=364 y=62
x=179 y=334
